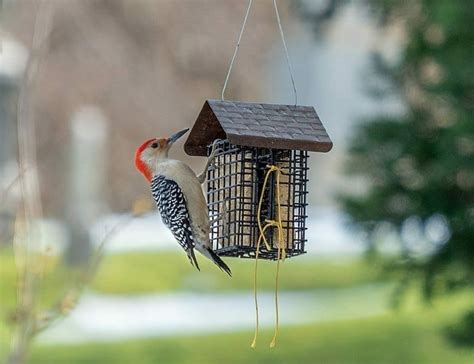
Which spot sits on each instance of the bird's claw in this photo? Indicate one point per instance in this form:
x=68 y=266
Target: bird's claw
x=214 y=151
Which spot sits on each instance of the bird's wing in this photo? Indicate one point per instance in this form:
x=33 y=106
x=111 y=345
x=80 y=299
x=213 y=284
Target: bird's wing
x=174 y=213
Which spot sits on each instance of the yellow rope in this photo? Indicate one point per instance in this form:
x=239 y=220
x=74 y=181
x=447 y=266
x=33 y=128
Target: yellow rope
x=254 y=342
x=281 y=250
x=273 y=342
x=260 y=202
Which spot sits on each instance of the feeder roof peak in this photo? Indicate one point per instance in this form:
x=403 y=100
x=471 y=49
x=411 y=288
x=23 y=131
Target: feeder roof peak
x=258 y=125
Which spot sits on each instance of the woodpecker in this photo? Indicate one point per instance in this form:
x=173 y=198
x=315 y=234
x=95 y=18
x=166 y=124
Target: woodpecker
x=178 y=194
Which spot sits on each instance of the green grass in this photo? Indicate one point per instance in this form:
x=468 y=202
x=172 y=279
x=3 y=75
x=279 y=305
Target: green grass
x=54 y=282
x=55 y=279
x=410 y=337
x=137 y=273
x=414 y=336
x=140 y=273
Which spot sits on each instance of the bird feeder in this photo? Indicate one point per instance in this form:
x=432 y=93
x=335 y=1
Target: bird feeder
x=251 y=140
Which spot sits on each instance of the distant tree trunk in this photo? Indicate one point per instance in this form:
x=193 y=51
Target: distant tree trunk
x=87 y=169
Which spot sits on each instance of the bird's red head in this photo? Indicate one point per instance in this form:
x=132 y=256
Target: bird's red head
x=152 y=151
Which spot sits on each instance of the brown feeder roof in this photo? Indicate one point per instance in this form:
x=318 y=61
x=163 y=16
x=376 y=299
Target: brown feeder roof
x=258 y=125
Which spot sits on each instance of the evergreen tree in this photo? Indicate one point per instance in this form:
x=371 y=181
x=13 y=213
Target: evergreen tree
x=419 y=167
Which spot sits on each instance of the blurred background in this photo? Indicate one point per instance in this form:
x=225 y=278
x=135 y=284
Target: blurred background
x=88 y=273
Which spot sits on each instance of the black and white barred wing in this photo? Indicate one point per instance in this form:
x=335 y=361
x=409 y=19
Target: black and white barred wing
x=174 y=213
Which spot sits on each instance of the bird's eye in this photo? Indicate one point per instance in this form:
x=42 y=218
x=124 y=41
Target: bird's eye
x=154 y=145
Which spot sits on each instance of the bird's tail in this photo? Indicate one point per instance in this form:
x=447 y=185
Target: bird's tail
x=192 y=258
x=209 y=253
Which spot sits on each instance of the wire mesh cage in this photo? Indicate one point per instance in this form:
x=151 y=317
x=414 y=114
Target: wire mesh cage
x=235 y=185
x=258 y=145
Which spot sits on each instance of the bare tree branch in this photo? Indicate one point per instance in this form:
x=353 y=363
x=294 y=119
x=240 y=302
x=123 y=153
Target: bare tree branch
x=29 y=189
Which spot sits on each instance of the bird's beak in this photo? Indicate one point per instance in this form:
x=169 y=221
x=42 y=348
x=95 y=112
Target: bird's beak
x=176 y=136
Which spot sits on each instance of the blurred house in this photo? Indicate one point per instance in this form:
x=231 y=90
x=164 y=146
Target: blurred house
x=147 y=64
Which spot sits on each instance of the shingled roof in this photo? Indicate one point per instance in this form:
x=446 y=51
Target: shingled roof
x=258 y=125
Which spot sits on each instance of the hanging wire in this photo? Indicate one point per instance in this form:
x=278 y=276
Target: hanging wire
x=282 y=35
x=286 y=51
x=249 y=5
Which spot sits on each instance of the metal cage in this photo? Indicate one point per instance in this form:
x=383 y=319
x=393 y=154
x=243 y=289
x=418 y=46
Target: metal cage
x=235 y=182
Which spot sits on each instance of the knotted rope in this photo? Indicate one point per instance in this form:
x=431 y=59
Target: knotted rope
x=281 y=255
